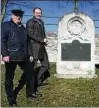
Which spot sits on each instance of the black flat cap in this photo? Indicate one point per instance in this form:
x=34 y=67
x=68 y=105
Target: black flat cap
x=17 y=12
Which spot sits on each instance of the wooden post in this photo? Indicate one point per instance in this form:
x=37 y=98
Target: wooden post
x=76 y=6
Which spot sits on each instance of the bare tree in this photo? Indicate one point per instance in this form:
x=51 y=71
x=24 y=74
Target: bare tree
x=3 y=8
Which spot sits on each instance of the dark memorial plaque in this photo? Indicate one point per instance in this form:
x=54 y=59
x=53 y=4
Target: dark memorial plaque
x=75 y=51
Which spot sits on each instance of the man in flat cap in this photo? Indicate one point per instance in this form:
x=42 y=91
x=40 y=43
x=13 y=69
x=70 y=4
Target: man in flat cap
x=15 y=49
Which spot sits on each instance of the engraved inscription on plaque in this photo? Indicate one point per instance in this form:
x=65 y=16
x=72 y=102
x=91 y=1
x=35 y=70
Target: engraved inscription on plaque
x=75 y=51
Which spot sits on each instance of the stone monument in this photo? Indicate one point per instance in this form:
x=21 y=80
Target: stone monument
x=76 y=46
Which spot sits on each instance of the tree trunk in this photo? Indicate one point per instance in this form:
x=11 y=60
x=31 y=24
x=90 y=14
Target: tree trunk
x=3 y=8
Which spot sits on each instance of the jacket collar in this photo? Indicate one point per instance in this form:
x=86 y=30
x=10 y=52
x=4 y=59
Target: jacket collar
x=37 y=20
x=34 y=18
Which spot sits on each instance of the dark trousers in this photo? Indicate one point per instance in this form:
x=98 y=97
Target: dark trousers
x=43 y=72
x=28 y=77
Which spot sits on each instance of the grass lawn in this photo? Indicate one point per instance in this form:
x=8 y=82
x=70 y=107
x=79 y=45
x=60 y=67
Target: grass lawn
x=59 y=92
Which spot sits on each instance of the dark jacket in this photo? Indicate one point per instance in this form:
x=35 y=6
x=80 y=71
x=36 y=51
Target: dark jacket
x=14 y=42
x=36 y=33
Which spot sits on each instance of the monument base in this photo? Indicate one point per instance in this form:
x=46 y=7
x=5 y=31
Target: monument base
x=72 y=76
x=75 y=69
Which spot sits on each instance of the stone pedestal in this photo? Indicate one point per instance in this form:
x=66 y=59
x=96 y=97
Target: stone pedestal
x=76 y=47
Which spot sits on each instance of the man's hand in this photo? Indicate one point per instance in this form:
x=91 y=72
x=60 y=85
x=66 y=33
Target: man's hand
x=31 y=58
x=6 y=59
x=45 y=41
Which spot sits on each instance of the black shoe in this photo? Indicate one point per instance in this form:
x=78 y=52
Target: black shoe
x=33 y=95
x=13 y=103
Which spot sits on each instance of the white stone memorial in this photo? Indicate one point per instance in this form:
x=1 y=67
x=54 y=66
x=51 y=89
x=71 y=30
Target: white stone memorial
x=76 y=47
